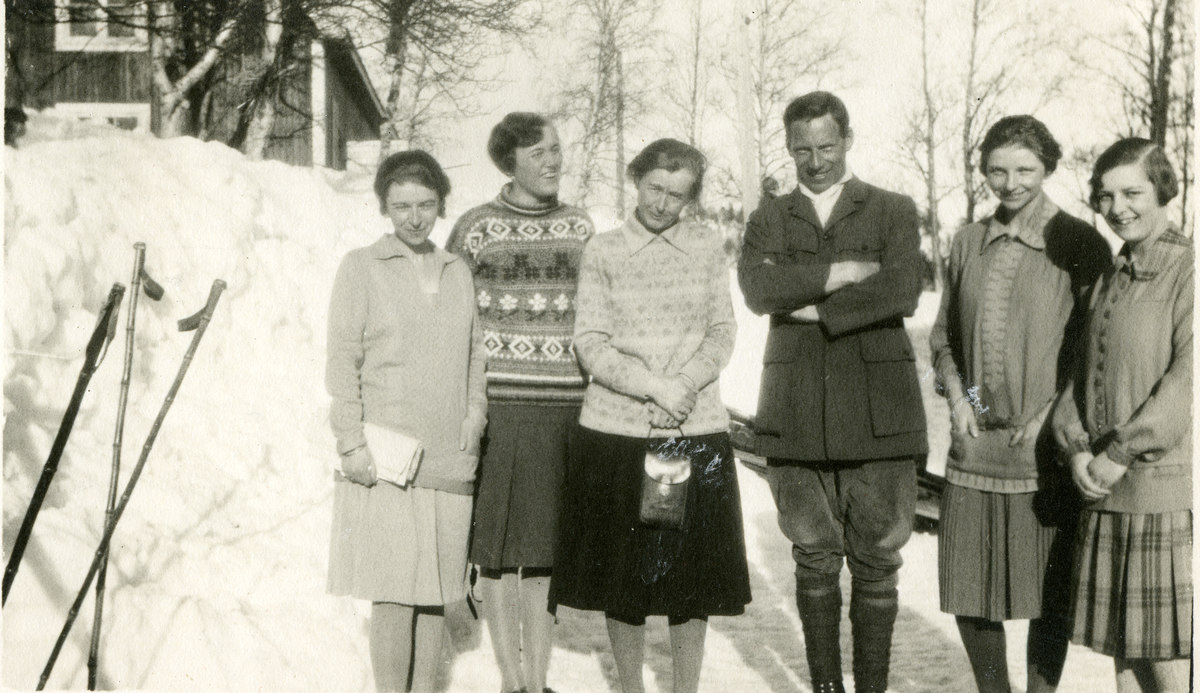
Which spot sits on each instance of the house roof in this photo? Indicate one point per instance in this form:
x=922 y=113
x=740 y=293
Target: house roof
x=339 y=46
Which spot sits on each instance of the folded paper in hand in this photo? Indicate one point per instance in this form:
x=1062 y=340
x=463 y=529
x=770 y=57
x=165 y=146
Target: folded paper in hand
x=396 y=455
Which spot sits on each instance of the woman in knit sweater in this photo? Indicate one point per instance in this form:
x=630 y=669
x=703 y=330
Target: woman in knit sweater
x=1127 y=423
x=1003 y=345
x=405 y=355
x=524 y=249
x=654 y=329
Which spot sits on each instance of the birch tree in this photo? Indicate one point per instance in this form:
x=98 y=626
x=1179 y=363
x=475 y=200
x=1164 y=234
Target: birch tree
x=615 y=38
x=688 y=90
x=1005 y=54
x=923 y=144
x=790 y=54
x=187 y=39
x=1156 y=83
x=432 y=45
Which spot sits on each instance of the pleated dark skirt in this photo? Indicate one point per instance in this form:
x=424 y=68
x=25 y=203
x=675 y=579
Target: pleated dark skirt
x=608 y=561
x=1133 y=584
x=521 y=472
x=999 y=558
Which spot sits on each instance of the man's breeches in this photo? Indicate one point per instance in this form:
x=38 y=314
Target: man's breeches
x=862 y=512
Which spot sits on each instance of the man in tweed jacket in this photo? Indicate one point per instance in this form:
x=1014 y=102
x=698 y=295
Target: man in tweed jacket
x=837 y=265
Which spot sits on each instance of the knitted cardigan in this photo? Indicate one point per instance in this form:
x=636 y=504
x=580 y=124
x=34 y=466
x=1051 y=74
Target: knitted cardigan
x=1009 y=330
x=526 y=265
x=407 y=359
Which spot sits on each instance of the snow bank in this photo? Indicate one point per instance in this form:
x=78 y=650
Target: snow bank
x=221 y=553
x=218 y=565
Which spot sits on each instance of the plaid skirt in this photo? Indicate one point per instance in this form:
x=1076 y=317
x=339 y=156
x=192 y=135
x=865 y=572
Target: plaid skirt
x=1133 y=584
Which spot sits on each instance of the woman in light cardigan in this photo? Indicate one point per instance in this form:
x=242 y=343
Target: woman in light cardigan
x=654 y=329
x=1127 y=424
x=405 y=353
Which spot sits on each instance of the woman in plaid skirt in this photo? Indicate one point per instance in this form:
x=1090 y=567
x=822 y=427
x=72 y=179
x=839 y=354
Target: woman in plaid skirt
x=1127 y=424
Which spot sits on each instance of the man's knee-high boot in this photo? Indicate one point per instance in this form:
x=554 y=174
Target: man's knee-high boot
x=819 y=600
x=872 y=617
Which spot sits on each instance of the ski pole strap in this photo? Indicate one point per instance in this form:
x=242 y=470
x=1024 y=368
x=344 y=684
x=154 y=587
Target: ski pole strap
x=98 y=345
x=205 y=314
x=152 y=288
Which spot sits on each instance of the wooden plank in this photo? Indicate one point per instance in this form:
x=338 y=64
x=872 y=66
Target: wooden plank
x=87 y=77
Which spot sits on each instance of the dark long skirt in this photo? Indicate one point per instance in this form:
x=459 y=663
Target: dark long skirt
x=520 y=483
x=607 y=560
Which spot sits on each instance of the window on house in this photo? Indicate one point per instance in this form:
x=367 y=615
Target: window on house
x=102 y=25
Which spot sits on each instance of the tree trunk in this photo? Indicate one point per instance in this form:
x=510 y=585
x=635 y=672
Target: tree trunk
x=619 y=133
x=968 y=153
x=933 y=226
x=258 y=133
x=390 y=131
x=396 y=54
x=693 y=116
x=1160 y=88
x=174 y=96
x=749 y=149
x=175 y=115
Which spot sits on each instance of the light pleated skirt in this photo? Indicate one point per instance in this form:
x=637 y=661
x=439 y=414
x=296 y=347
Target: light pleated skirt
x=999 y=558
x=1133 y=584
x=401 y=545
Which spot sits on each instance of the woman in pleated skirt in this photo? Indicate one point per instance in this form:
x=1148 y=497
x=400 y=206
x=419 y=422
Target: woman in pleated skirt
x=1003 y=345
x=1127 y=424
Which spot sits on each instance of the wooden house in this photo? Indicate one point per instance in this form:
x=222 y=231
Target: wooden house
x=85 y=66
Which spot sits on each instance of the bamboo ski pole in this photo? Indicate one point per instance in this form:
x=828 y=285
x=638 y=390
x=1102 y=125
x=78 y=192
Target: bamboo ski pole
x=97 y=347
x=140 y=281
x=199 y=323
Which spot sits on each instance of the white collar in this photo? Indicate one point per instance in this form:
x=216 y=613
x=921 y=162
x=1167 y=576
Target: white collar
x=832 y=191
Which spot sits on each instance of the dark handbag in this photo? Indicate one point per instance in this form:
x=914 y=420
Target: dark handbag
x=665 y=475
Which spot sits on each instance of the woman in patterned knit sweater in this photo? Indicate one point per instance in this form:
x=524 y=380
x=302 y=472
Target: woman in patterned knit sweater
x=1003 y=346
x=654 y=329
x=524 y=249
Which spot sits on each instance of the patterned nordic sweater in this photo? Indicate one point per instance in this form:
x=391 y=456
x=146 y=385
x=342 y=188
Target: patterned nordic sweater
x=526 y=265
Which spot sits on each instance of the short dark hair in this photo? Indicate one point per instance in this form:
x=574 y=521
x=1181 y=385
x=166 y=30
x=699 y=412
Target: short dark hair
x=412 y=166
x=1133 y=150
x=1024 y=131
x=815 y=104
x=515 y=130
x=670 y=155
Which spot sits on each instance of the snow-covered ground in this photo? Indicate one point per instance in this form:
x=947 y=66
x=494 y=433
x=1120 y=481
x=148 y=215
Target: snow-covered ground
x=217 y=572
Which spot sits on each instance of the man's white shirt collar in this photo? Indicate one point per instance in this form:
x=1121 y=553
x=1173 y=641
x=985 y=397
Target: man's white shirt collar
x=824 y=201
